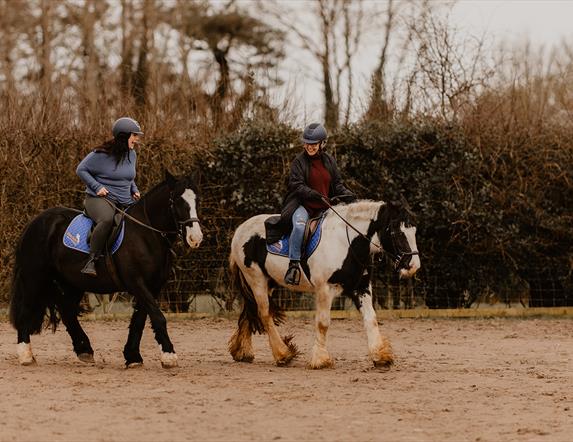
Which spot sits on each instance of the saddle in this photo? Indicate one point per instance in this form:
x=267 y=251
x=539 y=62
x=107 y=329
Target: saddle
x=311 y=238
x=78 y=233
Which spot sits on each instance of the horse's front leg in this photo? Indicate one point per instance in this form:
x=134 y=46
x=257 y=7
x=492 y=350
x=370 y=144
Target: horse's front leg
x=158 y=322
x=320 y=356
x=131 y=351
x=379 y=347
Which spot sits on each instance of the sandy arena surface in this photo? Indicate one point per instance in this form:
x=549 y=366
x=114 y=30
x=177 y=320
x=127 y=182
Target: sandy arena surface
x=454 y=380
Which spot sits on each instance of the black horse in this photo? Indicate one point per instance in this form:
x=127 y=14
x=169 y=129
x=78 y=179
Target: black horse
x=47 y=278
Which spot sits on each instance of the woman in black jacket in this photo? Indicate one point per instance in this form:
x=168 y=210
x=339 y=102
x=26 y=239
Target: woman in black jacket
x=314 y=177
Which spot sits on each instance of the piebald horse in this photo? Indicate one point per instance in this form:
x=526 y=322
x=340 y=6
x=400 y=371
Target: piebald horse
x=47 y=278
x=352 y=234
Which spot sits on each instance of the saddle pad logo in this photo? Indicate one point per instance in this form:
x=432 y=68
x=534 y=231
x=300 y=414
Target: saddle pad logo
x=77 y=233
x=281 y=247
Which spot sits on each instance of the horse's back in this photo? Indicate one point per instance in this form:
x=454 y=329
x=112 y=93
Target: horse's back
x=44 y=227
x=252 y=229
x=252 y=226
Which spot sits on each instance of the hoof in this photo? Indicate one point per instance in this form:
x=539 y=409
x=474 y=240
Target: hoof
x=319 y=365
x=384 y=363
x=129 y=365
x=25 y=355
x=28 y=362
x=284 y=361
x=87 y=358
x=244 y=358
x=169 y=360
x=293 y=352
x=383 y=356
x=320 y=359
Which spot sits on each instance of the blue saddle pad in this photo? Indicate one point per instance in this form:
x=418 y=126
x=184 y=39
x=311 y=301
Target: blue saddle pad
x=281 y=246
x=76 y=235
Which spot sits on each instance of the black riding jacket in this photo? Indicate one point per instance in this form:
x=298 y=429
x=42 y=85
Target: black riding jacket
x=298 y=191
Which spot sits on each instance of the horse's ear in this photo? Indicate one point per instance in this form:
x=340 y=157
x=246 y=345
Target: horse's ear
x=171 y=180
x=404 y=202
x=196 y=176
x=395 y=204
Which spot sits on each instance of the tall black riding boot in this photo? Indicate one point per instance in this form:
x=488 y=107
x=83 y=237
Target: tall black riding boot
x=89 y=268
x=292 y=276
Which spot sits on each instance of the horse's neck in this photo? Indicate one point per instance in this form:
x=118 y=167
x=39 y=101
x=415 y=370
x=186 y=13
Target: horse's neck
x=359 y=214
x=154 y=209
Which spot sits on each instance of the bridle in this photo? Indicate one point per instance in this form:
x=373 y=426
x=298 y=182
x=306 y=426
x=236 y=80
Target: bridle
x=397 y=258
x=400 y=255
x=180 y=224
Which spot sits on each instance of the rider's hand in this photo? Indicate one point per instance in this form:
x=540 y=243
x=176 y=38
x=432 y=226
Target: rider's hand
x=136 y=195
x=315 y=194
x=102 y=192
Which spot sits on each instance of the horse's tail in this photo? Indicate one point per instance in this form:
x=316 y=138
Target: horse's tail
x=32 y=296
x=250 y=312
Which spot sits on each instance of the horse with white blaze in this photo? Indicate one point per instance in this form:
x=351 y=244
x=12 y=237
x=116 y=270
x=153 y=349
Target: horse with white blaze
x=352 y=234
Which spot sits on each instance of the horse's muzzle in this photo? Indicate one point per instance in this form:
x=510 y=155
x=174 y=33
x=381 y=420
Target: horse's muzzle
x=194 y=236
x=413 y=267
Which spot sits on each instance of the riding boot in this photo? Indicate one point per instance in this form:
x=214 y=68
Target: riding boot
x=89 y=268
x=292 y=276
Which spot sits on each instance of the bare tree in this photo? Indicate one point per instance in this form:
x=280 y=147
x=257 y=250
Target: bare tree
x=14 y=20
x=232 y=35
x=448 y=68
x=378 y=105
x=322 y=31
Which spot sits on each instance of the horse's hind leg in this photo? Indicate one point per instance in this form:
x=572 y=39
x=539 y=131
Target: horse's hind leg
x=31 y=296
x=282 y=353
x=320 y=356
x=379 y=347
x=240 y=344
x=131 y=351
x=68 y=304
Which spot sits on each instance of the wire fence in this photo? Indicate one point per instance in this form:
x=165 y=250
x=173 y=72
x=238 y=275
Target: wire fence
x=202 y=284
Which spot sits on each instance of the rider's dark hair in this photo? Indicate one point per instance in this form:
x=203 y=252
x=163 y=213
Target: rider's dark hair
x=118 y=147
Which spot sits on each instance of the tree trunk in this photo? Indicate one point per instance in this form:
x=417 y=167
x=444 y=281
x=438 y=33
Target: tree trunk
x=126 y=67
x=91 y=63
x=46 y=67
x=141 y=74
x=330 y=103
x=378 y=105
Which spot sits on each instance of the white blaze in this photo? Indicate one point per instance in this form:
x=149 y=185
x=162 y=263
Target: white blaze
x=193 y=236
x=410 y=233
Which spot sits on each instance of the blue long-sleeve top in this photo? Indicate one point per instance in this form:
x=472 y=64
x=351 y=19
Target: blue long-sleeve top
x=99 y=169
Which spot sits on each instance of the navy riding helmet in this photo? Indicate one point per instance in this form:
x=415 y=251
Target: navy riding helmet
x=126 y=125
x=314 y=133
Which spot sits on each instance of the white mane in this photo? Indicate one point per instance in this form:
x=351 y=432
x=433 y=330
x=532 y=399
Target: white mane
x=362 y=210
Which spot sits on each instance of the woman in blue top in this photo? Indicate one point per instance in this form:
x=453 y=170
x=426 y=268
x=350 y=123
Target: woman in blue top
x=108 y=173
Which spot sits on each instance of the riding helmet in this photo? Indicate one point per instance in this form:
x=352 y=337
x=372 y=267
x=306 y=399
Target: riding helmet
x=314 y=133
x=126 y=125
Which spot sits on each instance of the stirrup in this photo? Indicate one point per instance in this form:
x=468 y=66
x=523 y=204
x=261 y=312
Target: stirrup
x=292 y=276
x=89 y=268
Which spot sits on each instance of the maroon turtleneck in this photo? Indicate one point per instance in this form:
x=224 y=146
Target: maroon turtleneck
x=319 y=180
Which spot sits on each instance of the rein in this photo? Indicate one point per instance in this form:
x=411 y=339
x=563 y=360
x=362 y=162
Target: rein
x=163 y=233
x=325 y=201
